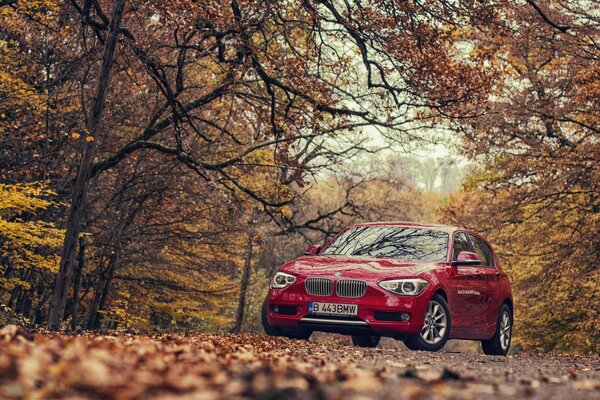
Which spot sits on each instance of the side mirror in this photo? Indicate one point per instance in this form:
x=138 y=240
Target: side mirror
x=466 y=258
x=313 y=250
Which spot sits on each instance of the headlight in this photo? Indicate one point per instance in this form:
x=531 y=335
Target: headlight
x=282 y=280
x=407 y=287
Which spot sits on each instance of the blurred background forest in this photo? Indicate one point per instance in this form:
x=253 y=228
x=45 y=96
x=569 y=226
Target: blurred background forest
x=219 y=139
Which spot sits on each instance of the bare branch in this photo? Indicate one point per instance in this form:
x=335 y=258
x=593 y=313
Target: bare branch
x=553 y=24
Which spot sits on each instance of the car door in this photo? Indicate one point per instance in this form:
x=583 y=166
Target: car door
x=465 y=292
x=491 y=279
x=487 y=284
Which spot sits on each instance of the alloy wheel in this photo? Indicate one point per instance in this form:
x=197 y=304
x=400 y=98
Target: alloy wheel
x=505 y=330
x=435 y=324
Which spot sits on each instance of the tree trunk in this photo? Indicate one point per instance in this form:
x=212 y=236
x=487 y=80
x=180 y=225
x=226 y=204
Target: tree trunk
x=94 y=307
x=24 y=299
x=63 y=278
x=77 y=281
x=39 y=312
x=97 y=318
x=16 y=292
x=7 y=273
x=245 y=276
x=100 y=295
x=95 y=284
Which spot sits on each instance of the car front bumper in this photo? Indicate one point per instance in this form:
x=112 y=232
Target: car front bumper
x=379 y=312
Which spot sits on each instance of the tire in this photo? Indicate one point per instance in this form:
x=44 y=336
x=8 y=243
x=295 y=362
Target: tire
x=500 y=343
x=300 y=334
x=436 y=327
x=365 y=340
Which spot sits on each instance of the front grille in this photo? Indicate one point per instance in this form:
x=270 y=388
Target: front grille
x=351 y=288
x=319 y=286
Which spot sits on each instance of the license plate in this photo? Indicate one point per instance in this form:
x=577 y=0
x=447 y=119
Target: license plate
x=332 y=308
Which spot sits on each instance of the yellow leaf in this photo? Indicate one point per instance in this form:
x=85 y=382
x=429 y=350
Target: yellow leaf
x=286 y=212
x=89 y=139
x=75 y=136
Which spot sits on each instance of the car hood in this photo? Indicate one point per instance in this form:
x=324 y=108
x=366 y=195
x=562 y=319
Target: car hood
x=356 y=267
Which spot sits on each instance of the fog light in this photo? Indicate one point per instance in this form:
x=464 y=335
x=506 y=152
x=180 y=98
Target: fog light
x=404 y=316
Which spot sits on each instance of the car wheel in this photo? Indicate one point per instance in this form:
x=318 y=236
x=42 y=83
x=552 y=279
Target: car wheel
x=500 y=343
x=436 y=327
x=268 y=328
x=365 y=340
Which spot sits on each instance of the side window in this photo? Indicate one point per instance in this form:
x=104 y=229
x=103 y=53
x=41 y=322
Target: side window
x=484 y=252
x=461 y=243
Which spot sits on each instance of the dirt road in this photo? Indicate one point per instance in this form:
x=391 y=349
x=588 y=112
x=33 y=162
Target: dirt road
x=260 y=367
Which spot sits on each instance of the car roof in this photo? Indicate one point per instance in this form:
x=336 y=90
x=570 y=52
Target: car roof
x=409 y=224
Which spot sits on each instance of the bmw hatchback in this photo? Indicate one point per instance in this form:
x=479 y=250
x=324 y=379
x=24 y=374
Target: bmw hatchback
x=423 y=284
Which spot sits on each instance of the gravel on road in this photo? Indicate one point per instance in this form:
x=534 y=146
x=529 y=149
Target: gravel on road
x=252 y=366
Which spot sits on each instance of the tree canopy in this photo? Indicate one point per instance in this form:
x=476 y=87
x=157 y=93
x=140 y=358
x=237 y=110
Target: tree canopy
x=153 y=155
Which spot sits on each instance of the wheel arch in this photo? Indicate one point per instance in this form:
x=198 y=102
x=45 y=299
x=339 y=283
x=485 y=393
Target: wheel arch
x=508 y=301
x=441 y=292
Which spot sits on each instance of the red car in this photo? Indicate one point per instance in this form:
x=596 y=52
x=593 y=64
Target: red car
x=420 y=283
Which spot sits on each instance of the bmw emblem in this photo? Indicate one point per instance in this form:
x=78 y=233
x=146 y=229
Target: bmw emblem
x=337 y=274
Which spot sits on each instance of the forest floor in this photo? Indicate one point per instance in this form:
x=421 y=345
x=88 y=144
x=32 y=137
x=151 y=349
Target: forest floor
x=253 y=366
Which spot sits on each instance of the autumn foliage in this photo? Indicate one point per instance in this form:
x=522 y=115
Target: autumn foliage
x=536 y=194
x=220 y=138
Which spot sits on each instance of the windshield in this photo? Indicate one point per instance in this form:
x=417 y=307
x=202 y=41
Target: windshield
x=391 y=241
